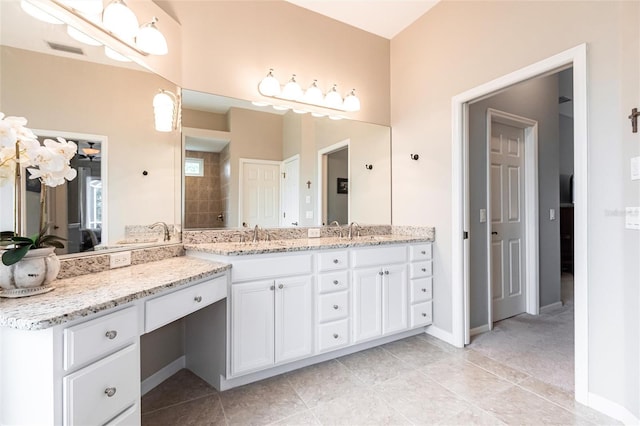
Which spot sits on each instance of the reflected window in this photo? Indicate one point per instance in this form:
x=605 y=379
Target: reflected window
x=193 y=167
x=93 y=188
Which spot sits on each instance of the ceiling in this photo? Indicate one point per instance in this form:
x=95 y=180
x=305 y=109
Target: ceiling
x=385 y=18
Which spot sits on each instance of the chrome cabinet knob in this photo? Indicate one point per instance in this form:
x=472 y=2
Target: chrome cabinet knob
x=198 y=299
x=281 y=286
x=335 y=261
x=110 y=392
x=111 y=334
x=424 y=269
x=380 y=273
x=272 y=287
x=424 y=314
x=386 y=272
x=335 y=335
x=423 y=252
x=424 y=290
x=335 y=307
x=335 y=282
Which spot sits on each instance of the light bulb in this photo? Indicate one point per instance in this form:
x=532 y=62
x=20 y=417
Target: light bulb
x=36 y=12
x=351 y=102
x=269 y=86
x=292 y=89
x=260 y=103
x=81 y=37
x=120 y=20
x=151 y=40
x=313 y=95
x=163 y=110
x=115 y=55
x=333 y=98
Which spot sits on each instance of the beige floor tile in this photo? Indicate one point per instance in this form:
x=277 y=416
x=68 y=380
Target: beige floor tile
x=465 y=379
x=364 y=408
x=262 y=402
x=205 y=411
x=416 y=351
x=305 y=418
x=495 y=367
x=324 y=382
x=441 y=344
x=374 y=365
x=181 y=387
x=419 y=399
x=516 y=406
x=472 y=416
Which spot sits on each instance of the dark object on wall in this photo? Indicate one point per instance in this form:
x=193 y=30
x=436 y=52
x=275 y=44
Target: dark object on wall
x=414 y=157
x=566 y=239
x=33 y=185
x=343 y=186
x=634 y=120
x=368 y=166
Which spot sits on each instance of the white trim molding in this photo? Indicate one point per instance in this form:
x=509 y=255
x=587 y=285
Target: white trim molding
x=575 y=57
x=163 y=374
x=612 y=409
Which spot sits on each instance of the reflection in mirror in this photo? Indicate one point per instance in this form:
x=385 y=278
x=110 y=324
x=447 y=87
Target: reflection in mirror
x=279 y=168
x=78 y=91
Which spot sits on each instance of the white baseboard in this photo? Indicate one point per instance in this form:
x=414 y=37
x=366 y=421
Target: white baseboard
x=441 y=334
x=550 y=306
x=478 y=330
x=163 y=374
x=612 y=409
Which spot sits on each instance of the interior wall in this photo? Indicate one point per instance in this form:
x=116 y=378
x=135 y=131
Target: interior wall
x=537 y=100
x=204 y=120
x=337 y=204
x=52 y=93
x=249 y=37
x=433 y=60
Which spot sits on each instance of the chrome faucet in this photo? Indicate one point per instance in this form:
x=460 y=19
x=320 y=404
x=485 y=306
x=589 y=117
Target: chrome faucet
x=255 y=234
x=336 y=223
x=165 y=228
x=351 y=230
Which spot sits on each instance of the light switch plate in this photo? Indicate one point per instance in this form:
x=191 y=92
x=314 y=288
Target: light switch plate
x=632 y=218
x=307 y=199
x=552 y=214
x=483 y=215
x=309 y=214
x=313 y=233
x=635 y=168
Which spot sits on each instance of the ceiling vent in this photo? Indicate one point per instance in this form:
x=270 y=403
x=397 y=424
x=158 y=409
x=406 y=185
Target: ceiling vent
x=64 y=48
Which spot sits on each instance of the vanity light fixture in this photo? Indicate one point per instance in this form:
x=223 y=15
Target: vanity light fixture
x=151 y=40
x=81 y=37
x=165 y=110
x=89 y=8
x=35 y=12
x=110 y=53
x=120 y=20
x=270 y=86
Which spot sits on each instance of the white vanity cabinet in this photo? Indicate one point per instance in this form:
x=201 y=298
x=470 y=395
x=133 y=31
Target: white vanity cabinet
x=421 y=285
x=333 y=307
x=271 y=312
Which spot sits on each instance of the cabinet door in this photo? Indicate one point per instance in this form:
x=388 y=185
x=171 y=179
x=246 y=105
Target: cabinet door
x=294 y=315
x=252 y=326
x=367 y=303
x=394 y=299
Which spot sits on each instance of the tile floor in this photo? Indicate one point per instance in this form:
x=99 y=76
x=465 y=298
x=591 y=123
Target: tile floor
x=418 y=380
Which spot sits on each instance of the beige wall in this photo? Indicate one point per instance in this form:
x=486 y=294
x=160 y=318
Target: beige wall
x=228 y=47
x=459 y=45
x=204 y=120
x=56 y=93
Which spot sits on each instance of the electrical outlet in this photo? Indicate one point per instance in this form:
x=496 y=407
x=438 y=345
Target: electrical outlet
x=483 y=215
x=313 y=233
x=120 y=259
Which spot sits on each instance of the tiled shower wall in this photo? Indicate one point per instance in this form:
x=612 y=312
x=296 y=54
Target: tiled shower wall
x=203 y=194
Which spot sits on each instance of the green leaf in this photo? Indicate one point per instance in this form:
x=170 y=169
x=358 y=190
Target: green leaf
x=15 y=255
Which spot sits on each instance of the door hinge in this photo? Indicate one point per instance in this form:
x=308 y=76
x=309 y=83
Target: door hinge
x=465 y=235
x=284 y=175
x=284 y=214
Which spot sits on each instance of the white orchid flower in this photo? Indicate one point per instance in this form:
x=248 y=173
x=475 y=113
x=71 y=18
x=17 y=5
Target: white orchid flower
x=62 y=147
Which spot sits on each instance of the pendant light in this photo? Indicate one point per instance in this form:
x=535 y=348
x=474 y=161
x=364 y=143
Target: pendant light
x=292 y=89
x=120 y=20
x=151 y=40
x=269 y=86
x=333 y=98
x=36 y=12
x=351 y=102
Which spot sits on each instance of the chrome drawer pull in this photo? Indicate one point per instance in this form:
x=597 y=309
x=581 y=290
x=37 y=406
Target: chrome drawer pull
x=272 y=287
x=380 y=273
x=110 y=392
x=111 y=334
x=335 y=336
x=386 y=272
x=424 y=290
x=424 y=315
x=281 y=286
x=335 y=282
x=335 y=261
x=198 y=299
x=424 y=269
x=423 y=252
x=335 y=307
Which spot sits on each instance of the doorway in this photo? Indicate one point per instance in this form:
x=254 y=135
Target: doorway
x=333 y=177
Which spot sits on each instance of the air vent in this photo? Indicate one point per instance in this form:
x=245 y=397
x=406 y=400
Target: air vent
x=563 y=99
x=65 y=48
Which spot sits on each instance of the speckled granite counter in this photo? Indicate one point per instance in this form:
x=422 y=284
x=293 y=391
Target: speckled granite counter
x=87 y=294
x=302 y=244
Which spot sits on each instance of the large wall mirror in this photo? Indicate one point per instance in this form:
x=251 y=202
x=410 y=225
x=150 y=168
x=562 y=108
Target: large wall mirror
x=246 y=165
x=128 y=173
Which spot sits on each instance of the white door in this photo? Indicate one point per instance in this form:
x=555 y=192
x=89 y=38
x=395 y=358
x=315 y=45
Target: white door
x=261 y=194
x=507 y=220
x=394 y=299
x=290 y=192
x=252 y=328
x=367 y=303
x=293 y=331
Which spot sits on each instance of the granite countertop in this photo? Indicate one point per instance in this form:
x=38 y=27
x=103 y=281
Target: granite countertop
x=302 y=244
x=84 y=295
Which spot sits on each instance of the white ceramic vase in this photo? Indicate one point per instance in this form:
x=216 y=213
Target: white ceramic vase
x=38 y=268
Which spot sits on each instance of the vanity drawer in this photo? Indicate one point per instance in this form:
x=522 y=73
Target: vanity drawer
x=130 y=416
x=330 y=261
x=335 y=281
x=377 y=256
x=93 y=339
x=104 y=389
x=333 y=306
x=421 y=314
x=420 y=269
x=264 y=267
x=420 y=252
x=421 y=289
x=165 y=309
x=333 y=335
